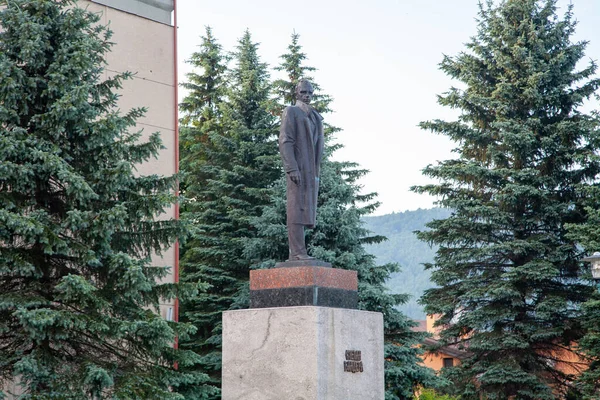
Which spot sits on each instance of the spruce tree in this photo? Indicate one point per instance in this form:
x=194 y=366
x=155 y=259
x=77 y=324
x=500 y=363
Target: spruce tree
x=230 y=166
x=339 y=238
x=588 y=236
x=78 y=292
x=201 y=123
x=200 y=110
x=509 y=287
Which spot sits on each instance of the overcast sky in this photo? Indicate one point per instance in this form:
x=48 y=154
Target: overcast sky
x=378 y=59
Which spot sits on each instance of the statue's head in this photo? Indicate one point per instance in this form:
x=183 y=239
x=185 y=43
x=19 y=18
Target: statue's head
x=304 y=91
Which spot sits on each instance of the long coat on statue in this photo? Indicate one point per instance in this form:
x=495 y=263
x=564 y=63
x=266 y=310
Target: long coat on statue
x=301 y=148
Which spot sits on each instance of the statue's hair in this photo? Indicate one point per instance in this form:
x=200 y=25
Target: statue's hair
x=301 y=81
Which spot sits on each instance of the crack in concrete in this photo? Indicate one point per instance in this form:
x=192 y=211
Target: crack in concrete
x=267 y=334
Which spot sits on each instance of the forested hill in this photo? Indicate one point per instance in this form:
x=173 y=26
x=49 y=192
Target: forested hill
x=404 y=248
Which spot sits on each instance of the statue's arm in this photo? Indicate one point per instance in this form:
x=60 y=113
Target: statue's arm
x=319 y=148
x=287 y=141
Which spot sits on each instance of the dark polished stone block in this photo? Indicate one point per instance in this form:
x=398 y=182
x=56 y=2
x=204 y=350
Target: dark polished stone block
x=304 y=296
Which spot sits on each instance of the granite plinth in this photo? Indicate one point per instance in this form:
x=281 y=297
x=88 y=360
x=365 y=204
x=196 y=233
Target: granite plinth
x=277 y=278
x=302 y=353
x=303 y=286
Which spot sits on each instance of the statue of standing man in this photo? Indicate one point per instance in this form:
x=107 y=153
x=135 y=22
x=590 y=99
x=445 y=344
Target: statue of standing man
x=301 y=148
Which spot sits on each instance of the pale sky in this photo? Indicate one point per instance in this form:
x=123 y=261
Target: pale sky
x=378 y=59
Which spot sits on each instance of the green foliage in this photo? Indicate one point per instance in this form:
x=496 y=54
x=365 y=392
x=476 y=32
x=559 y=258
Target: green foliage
x=588 y=235
x=77 y=226
x=589 y=382
x=230 y=160
x=200 y=132
x=430 y=394
x=208 y=89
x=403 y=247
x=509 y=278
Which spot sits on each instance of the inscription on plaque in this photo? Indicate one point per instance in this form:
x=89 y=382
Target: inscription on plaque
x=353 y=361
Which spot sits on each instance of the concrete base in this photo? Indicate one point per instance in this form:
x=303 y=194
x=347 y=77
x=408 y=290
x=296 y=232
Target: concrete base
x=302 y=353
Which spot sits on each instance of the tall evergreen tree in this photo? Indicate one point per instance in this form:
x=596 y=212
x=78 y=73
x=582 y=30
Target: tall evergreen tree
x=508 y=276
x=339 y=238
x=77 y=226
x=201 y=126
x=200 y=109
x=231 y=164
x=588 y=235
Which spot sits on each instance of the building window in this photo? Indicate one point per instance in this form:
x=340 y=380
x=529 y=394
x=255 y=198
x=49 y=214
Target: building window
x=448 y=362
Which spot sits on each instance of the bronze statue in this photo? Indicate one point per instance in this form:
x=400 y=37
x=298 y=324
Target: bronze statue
x=301 y=148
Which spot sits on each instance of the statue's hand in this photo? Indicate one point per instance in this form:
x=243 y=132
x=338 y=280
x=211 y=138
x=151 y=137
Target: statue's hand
x=295 y=177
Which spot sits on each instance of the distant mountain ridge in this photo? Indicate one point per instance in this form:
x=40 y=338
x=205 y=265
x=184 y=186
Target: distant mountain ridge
x=404 y=248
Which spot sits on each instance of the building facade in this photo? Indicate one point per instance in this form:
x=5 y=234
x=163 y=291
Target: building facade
x=445 y=357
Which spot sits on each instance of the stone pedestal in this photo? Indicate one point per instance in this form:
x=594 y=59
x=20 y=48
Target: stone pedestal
x=302 y=353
